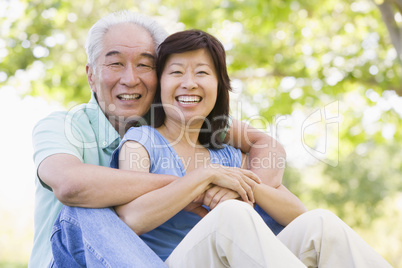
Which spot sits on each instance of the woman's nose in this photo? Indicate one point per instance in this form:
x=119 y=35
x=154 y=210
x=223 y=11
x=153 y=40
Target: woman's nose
x=189 y=81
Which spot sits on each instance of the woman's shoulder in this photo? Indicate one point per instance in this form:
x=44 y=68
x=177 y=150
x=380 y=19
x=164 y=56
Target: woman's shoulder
x=147 y=136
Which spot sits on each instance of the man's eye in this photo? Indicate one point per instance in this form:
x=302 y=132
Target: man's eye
x=116 y=64
x=145 y=67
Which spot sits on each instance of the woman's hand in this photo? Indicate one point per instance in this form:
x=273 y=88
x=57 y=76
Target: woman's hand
x=239 y=180
x=216 y=195
x=211 y=198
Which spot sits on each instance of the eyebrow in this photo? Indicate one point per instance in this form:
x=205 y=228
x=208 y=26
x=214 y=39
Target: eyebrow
x=148 y=55
x=112 y=53
x=144 y=54
x=181 y=64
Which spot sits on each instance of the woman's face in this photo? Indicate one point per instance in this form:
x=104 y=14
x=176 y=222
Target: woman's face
x=189 y=86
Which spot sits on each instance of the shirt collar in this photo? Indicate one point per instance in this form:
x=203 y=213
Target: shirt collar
x=105 y=133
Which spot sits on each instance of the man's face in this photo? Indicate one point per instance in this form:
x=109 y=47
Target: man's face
x=125 y=79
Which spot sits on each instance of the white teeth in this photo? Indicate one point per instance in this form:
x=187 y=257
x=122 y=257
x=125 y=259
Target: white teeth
x=129 y=96
x=188 y=99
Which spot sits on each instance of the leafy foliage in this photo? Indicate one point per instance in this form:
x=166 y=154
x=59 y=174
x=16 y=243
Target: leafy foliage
x=288 y=58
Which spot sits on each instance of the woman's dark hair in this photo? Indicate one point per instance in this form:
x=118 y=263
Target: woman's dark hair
x=216 y=122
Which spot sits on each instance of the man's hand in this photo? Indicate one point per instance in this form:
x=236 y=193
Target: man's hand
x=196 y=208
x=216 y=195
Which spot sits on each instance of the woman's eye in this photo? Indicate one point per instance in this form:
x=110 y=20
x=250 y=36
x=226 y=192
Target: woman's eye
x=175 y=72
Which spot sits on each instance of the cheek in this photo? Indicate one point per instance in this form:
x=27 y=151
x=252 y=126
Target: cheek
x=214 y=90
x=164 y=96
x=151 y=81
x=166 y=89
x=107 y=78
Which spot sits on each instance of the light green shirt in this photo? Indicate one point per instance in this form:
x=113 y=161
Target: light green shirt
x=83 y=132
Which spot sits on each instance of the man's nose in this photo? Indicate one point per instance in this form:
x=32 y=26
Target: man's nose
x=130 y=76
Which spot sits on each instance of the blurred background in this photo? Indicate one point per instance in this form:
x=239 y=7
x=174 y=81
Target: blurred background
x=321 y=76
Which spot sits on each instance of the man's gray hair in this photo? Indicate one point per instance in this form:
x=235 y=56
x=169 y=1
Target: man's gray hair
x=94 y=42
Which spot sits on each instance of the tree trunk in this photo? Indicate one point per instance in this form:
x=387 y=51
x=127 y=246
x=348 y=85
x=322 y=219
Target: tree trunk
x=395 y=32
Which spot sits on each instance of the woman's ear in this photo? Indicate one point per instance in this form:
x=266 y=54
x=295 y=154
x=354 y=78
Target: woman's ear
x=91 y=78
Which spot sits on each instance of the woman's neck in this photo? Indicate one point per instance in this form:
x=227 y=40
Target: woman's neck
x=179 y=133
x=184 y=140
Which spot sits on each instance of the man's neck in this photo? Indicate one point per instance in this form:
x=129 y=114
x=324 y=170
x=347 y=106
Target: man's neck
x=122 y=127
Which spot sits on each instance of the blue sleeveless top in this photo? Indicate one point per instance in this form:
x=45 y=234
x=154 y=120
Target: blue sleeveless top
x=164 y=160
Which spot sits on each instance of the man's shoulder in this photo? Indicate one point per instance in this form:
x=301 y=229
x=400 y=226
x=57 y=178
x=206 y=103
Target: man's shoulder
x=74 y=119
x=74 y=115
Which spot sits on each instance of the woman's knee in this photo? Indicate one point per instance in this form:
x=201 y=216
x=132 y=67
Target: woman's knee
x=235 y=213
x=234 y=207
x=322 y=215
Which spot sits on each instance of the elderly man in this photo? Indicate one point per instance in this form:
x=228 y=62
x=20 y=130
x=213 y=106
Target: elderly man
x=72 y=149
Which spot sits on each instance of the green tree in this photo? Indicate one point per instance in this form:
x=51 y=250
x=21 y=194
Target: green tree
x=289 y=59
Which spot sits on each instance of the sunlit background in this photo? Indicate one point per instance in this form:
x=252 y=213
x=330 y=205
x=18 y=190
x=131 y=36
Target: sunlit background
x=321 y=76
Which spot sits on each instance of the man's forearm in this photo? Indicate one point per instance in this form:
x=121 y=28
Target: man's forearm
x=267 y=162
x=267 y=157
x=85 y=185
x=111 y=187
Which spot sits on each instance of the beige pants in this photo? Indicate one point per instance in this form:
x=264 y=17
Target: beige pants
x=234 y=235
x=320 y=239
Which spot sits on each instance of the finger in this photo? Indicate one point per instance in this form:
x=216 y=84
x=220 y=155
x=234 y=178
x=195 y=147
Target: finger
x=251 y=175
x=218 y=197
x=250 y=183
x=234 y=179
x=240 y=187
x=251 y=204
x=226 y=194
x=199 y=199
x=209 y=195
x=248 y=189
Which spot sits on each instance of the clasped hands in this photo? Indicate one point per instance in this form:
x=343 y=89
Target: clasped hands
x=227 y=183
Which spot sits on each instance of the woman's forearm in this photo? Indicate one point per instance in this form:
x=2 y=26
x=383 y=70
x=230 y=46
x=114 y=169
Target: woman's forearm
x=156 y=207
x=279 y=203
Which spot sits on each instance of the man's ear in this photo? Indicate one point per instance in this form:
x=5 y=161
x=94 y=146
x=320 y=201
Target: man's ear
x=90 y=77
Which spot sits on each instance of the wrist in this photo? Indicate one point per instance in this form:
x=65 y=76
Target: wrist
x=207 y=173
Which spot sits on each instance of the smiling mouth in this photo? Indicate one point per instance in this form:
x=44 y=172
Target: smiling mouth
x=188 y=99
x=129 y=96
